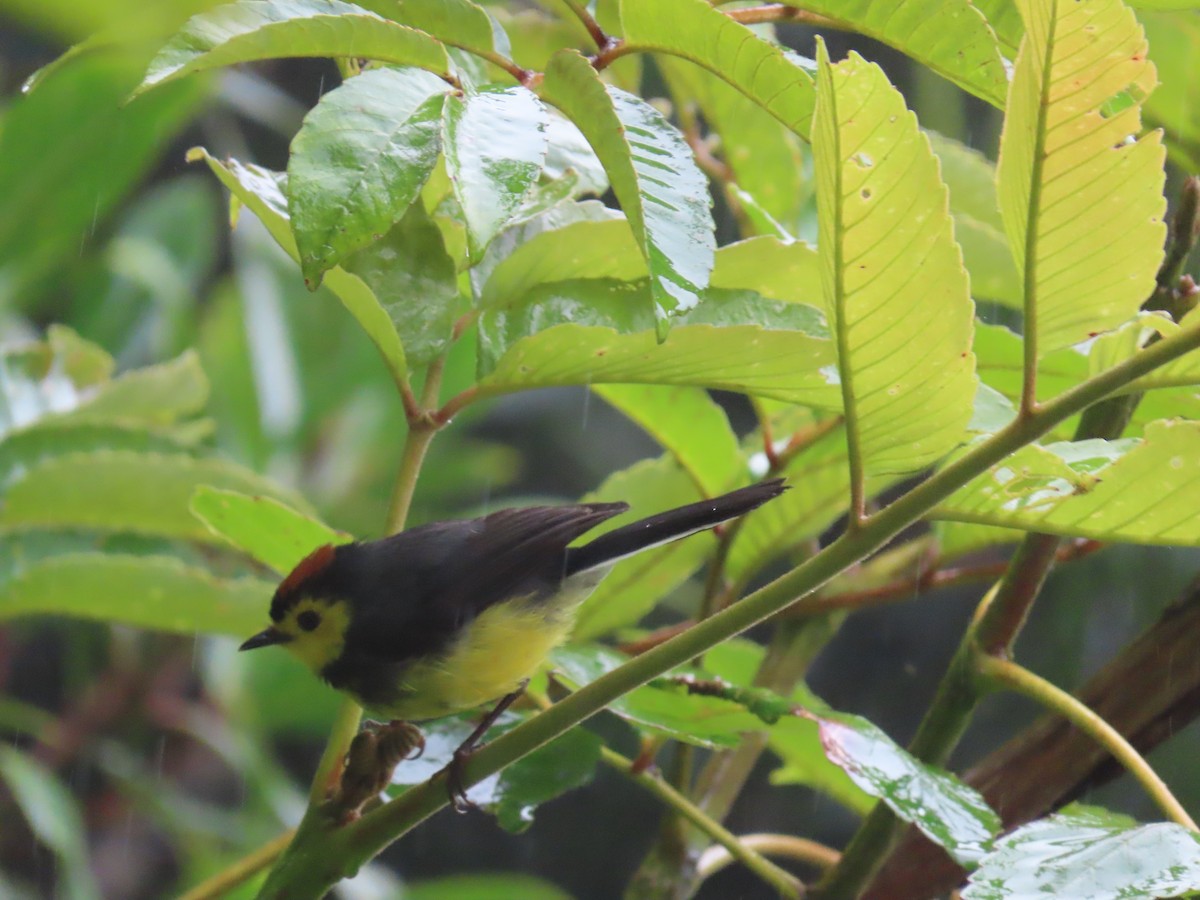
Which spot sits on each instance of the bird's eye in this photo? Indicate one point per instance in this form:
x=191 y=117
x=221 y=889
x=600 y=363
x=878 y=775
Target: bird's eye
x=308 y=620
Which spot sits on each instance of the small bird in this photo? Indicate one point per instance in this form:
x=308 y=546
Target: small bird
x=451 y=616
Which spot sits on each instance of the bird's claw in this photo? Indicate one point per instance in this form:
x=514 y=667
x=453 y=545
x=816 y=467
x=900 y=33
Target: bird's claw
x=370 y=760
x=454 y=781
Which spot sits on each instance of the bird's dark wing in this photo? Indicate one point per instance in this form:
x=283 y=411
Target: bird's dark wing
x=414 y=591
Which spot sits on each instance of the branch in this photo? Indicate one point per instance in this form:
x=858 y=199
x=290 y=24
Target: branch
x=1149 y=692
x=361 y=840
x=1017 y=678
x=580 y=12
x=716 y=858
x=777 y=12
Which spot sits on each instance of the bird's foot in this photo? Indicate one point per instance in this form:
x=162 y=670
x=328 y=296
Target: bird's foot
x=455 y=787
x=372 y=757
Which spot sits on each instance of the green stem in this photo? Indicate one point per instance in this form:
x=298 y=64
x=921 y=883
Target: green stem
x=1010 y=675
x=589 y=22
x=783 y=882
x=241 y=871
x=801 y=849
x=348 y=848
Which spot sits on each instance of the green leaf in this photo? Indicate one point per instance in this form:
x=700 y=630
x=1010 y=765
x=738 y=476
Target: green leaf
x=145 y=591
x=763 y=154
x=359 y=160
x=950 y=37
x=896 y=291
x=113 y=490
x=1174 y=45
x=1085 y=851
x=1066 y=164
x=487 y=886
x=412 y=277
x=1117 y=346
x=689 y=425
x=693 y=30
x=458 y=23
x=781 y=270
x=971 y=178
x=797 y=743
x=636 y=585
x=570 y=240
x=1004 y=17
x=495 y=146
x=568 y=151
x=24 y=449
x=735 y=341
x=1142 y=491
x=265 y=529
x=692 y=718
x=273 y=29
x=69 y=153
x=819 y=493
x=948 y=812
x=53 y=815
x=512 y=794
x=654 y=175
x=261 y=190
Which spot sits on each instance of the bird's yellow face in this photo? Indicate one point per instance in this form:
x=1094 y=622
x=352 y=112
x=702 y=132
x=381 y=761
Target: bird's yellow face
x=312 y=628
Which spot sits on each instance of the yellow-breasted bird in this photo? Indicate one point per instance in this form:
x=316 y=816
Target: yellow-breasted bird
x=453 y=615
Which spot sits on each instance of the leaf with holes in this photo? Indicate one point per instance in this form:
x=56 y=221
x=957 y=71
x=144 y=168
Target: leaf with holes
x=1082 y=200
x=895 y=288
x=654 y=175
x=1138 y=490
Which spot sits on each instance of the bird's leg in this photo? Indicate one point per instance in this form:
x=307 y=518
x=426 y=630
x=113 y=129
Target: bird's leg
x=372 y=757
x=454 y=771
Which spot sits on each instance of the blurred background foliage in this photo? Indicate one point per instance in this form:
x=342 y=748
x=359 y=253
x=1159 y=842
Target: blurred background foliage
x=137 y=762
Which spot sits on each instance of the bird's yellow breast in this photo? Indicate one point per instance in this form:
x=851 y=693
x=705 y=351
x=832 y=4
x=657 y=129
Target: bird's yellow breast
x=503 y=646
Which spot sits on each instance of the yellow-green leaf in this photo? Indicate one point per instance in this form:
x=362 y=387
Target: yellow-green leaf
x=895 y=288
x=1081 y=199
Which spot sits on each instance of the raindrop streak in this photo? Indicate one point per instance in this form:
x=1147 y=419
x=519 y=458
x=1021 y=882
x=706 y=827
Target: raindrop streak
x=587 y=406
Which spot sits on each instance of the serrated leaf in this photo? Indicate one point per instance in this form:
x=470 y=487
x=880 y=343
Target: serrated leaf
x=412 y=277
x=154 y=395
x=1067 y=162
x=273 y=29
x=951 y=37
x=1144 y=491
x=113 y=490
x=359 y=160
x=654 y=175
x=262 y=192
x=53 y=815
x=24 y=449
x=1005 y=20
x=567 y=152
x=1110 y=349
x=1089 y=852
x=689 y=425
x=797 y=743
x=735 y=341
x=145 y=591
x=946 y=811
x=693 y=30
x=636 y=585
x=512 y=794
x=495 y=143
x=264 y=528
x=896 y=291
x=971 y=179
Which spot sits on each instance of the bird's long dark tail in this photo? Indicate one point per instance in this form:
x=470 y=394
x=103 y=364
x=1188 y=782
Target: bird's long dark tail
x=670 y=526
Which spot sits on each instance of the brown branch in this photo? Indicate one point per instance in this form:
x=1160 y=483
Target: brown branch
x=777 y=12
x=1150 y=691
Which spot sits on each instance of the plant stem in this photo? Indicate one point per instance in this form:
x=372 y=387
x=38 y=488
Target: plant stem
x=348 y=848
x=718 y=857
x=777 y=12
x=783 y=882
x=1008 y=674
x=241 y=871
x=580 y=12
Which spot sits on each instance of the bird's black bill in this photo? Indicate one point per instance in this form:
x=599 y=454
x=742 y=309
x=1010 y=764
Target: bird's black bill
x=265 y=638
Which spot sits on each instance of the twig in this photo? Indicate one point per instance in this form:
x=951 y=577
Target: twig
x=1018 y=678
x=777 y=12
x=717 y=857
x=597 y=33
x=241 y=871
